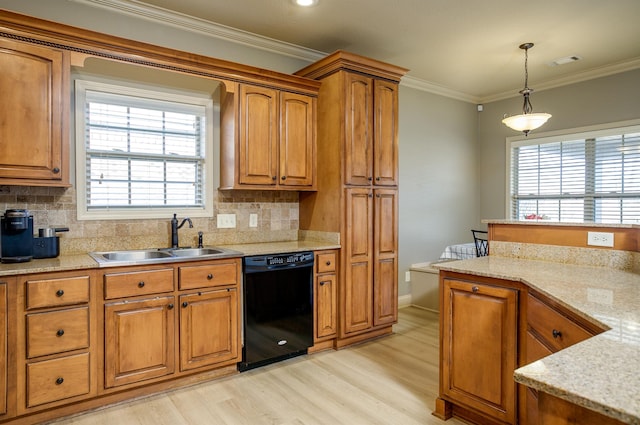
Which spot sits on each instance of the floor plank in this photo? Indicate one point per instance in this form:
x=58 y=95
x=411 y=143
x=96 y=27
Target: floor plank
x=392 y=380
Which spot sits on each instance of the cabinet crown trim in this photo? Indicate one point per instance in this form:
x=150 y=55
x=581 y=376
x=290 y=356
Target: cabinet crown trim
x=341 y=60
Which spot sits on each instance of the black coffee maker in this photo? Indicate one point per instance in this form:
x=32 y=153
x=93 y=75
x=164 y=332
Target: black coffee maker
x=16 y=236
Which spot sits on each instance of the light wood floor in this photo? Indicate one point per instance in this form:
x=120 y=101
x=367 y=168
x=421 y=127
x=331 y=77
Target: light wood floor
x=393 y=380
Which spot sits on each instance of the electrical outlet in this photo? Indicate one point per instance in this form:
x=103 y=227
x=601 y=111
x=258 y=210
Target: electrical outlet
x=600 y=239
x=226 y=221
x=253 y=220
x=407 y=276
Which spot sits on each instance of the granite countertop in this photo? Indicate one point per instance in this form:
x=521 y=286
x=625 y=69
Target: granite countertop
x=601 y=373
x=84 y=261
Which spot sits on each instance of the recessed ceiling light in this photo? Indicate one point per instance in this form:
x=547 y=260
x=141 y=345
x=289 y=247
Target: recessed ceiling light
x=306 y=2
x=565 y=60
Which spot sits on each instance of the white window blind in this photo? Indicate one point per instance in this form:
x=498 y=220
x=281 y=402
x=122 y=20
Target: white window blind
x=578 y=178
x=141 y=151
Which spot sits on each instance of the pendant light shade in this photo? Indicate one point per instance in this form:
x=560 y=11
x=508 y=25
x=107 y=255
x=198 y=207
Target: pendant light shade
x=528 y=120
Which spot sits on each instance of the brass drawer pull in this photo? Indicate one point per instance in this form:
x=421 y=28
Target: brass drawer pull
x=475 y=289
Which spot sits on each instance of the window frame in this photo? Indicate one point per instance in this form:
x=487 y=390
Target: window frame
x=81 y=86
x=587 y=132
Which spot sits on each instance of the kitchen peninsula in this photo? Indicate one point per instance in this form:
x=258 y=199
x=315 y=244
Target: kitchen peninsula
x=596 y=380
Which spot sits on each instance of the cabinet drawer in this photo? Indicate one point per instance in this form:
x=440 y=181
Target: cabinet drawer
x=557 y=330
x=131 y=284
x=57 y=292
x=326 y=262
x=58 y=379
x=57 y=331
x=535 y=349
x=192 y=277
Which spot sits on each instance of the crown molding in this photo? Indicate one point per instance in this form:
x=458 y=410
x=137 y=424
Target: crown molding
x=579 y=77
x=419 y=84
x=193 y=24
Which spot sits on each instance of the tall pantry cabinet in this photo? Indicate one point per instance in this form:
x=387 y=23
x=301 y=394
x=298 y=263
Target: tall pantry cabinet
x=357 y=157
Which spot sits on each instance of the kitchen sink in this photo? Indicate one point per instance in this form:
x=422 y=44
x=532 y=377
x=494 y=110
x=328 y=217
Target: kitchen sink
x=162 y=255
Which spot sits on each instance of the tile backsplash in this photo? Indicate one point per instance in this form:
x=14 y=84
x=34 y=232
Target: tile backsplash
x=278 y=220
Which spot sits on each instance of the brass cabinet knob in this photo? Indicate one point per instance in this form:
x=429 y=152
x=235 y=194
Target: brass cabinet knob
x=475 y=289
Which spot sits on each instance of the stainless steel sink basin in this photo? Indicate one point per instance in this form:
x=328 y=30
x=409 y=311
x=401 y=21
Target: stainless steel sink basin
x=135 y=255
x=195 y=252
x=164 y=255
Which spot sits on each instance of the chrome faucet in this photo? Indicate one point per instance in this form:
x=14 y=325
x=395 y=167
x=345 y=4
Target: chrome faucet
x=174 y=229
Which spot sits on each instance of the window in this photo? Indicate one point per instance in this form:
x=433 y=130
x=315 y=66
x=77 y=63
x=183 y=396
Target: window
x=591 y=176
x=141 y=153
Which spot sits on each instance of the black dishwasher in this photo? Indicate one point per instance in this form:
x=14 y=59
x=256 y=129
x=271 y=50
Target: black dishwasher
x=278 y=308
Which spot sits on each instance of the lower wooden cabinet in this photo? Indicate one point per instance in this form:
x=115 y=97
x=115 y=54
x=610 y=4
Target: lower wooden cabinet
x=479 y=348
x=172 y=320
x=326 y=296
x=139 y=340
x=209 y=330
x=56 y=349
x=488 y=328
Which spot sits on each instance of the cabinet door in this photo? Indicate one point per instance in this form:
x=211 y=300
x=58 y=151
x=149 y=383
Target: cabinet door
x=385 y=273
x=358 y=142
x=479 y=331
x=209 y=332
x=326 y=298
x=357 y=295
x=385 y=134
x=33 y=123
x=3 y=348
x=139 y=340
x=297 y=139
x=258 y=134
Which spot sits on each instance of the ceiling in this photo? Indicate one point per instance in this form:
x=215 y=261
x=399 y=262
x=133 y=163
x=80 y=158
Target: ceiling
x=467 y=49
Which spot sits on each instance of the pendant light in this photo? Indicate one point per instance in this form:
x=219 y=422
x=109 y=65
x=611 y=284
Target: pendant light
x=528 y=120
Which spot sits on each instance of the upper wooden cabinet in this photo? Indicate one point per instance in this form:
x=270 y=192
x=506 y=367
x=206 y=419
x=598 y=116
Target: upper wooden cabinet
x=34 y=83
x=268 y=140
x=362 y=97
x=371 y=131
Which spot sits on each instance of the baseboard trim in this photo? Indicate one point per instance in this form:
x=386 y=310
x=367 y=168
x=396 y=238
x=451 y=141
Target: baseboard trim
x=404 y=301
